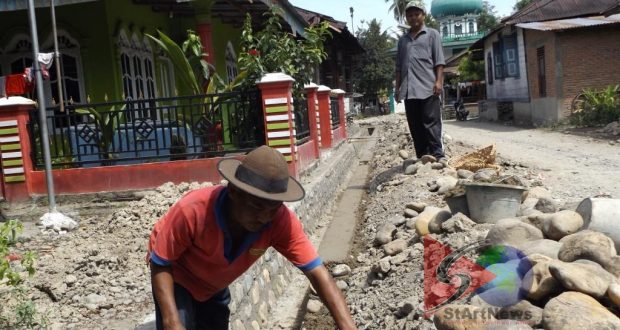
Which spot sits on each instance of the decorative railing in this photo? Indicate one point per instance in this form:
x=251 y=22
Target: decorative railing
x=302 y=120
x=138 y=131
x=335 y=112
x=463 y=36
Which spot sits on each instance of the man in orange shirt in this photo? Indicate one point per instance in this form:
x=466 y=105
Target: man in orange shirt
x=213 y=235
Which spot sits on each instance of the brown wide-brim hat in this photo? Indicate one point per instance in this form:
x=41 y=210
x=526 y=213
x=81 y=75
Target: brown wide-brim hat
x=262 y=173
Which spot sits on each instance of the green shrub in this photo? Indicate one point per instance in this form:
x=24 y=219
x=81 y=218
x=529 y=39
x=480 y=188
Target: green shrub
x=274 y=49
x=16 y=309
x=596 y=107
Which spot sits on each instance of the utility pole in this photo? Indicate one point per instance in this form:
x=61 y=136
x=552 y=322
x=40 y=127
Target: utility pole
x=42 y=109
x=53 y=218
x=352 y=26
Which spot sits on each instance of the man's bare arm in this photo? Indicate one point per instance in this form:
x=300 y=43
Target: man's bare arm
x=331 y=296
x=163 y=289
x=397 y=87
x=438 y=80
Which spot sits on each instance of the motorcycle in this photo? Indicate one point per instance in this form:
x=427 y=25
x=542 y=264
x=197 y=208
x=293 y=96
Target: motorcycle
x=460 y=110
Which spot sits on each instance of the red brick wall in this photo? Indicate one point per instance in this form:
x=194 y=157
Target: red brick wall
x=590 y=59
x=534 y=40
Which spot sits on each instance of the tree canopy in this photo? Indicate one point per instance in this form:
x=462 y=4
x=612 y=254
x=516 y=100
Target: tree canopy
x=521 y=4
x=470 y=70
x=375 y=71
x=488 y=19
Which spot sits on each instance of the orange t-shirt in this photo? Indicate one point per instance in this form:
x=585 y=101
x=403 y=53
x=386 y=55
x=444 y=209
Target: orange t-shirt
x=193 y=239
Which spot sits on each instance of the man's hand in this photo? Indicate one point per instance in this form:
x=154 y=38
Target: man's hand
x=397 y=96
x=176 y=326
x=331 y=296
x=437 y=88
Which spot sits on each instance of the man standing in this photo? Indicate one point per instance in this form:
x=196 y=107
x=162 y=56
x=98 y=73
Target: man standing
x=213 y=235
x=419 y=82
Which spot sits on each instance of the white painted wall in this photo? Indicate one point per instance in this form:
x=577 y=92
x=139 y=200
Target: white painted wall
x=507 y=89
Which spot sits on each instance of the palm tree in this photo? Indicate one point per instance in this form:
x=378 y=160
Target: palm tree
x=398 y=8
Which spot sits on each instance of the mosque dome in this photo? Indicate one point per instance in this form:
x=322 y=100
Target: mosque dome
x=442 y=8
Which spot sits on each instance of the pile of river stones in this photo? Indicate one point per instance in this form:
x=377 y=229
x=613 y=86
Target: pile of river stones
x=573 y=278
x=572 y=281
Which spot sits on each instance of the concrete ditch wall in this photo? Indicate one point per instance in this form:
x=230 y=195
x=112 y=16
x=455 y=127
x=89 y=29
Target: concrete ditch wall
x=256 y=293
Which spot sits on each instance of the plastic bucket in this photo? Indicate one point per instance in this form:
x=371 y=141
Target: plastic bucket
x=458 y=204
x=490 y=202
x=602 y=215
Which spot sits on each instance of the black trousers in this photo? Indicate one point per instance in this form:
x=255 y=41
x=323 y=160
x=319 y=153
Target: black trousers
x=212 y=314
x=424 y=119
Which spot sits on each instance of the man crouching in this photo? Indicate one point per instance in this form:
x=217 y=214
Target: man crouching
x=211 y=236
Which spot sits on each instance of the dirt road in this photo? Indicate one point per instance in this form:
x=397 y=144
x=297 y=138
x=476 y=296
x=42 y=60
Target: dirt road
x=573 y=166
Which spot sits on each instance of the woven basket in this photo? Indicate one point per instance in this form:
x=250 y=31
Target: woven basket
x=479 y=159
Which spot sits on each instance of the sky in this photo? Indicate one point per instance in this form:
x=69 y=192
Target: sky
x=368 y=9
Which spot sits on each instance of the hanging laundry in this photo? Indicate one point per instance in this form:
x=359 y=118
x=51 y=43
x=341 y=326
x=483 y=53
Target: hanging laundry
x=2 y=84
x=46 y=59
x=16 y=85
x=29 y=74
x=44 y=72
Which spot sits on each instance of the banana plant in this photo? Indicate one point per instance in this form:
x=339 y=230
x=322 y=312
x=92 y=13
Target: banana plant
x=190 y=67
x=182 y=67
x=194 y=73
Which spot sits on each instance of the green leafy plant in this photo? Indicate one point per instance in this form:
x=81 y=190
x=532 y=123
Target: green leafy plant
x=273 y=49
x=24 y=311
x=596 y=107
x=9 y=233
x=374 y=72
x=107 y=122
x=191 y=68
x=60 y=148
x=184 y=72
x=194 y=73
x=470 y=70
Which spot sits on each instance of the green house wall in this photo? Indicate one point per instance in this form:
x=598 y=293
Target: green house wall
x=96 y=27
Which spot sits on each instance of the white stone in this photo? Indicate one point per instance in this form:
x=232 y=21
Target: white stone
x=341 y=270
x=255 y=293
x=588 y=278
x=70 y=279
x=57 y=221
x=314 y=306
x=613 y=293
x=238 y=325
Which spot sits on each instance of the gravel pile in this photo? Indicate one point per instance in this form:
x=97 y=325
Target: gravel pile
x=406 y=200
x=96 y=277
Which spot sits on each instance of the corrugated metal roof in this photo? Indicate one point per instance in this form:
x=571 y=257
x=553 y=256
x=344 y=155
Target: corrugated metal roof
x=571 y=23
x=12 y=5
x=546 y=10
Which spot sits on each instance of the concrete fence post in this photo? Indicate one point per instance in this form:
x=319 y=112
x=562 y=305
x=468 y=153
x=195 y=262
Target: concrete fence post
x=325 y=119
x=343 y=124
x=277 y=100
x=15 y=148
x=313 y=117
